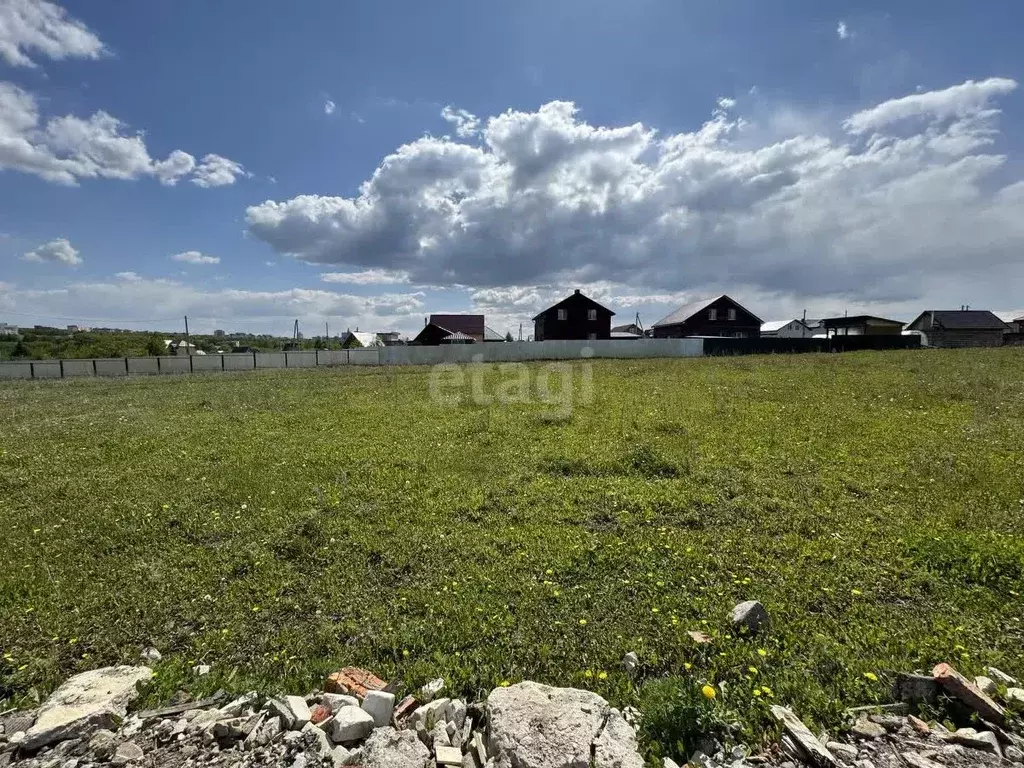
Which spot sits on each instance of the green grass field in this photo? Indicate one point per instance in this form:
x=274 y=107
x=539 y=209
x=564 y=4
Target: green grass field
x=279 y=525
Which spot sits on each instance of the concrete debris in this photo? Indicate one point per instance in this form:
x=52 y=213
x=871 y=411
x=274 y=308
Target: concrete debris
x=750 y=617
x=808 y=744
x=429 y=691
x=379 y=705
x=388 y=748
x=535 y=726
x=201 y=669
x=958 y=686
x=350 y=724
x=129 y=752
x=336 y=701
x=448 y=756
x=405 y=708
x=918 y=724
x=293 y=711
x=1000 y=677
x=152 y=654
x=95 y=699
x=985 y=684
x=865 y=729
x=1015 y=695
x=915 y=688
x=702 y=638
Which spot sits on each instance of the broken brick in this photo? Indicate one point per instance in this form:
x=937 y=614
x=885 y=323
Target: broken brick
x=353 y=680
x=961 y=688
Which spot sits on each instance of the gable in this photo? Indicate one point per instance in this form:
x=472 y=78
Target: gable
x=469 y=324
x=694 y=309
x=576 y=301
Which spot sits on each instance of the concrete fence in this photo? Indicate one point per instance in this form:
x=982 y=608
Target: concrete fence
x=461 y=353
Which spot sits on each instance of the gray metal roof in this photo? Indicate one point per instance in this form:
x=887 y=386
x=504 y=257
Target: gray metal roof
x=687 y=311
x=492 y=335
x=959 y=319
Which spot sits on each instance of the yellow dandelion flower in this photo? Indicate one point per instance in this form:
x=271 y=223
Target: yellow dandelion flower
x=709 y=692
x=871 y=676
x=687 y=665
x=588 y=674
x=757 y=692
x=583 y=622
x=762 y=652
x=752 y=670
x=602 y=675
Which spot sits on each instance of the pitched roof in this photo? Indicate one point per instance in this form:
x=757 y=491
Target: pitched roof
x=775 y=325
x=960 y=319
x=687 y=311
x=575 y=296
x=471 y=324
x=492 y=335
x=458 y=336
x=841 y=322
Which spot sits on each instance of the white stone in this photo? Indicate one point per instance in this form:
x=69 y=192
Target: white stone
x=431 y=713
x=379 y=705
x=631 y=661
x=388 y=748
x=201 y=669
x=449 y=756
x=152 y=654
x=750 y=616
x=439 y=735
x=293 y=711
x=350 y=724
x=318 y=738
x=336 y=701
x=238 y=706
x=129 y=752
x=670 y=763
x=537 y=726
x=1000 y=677
x=456 y=713
x=339 y=755
x=985 y=684
x=91 y=699
x=430 y=690
x=479 y=748
x=1015 y=695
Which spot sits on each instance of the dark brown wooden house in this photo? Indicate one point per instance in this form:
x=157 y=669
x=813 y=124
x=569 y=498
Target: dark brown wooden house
x=720 y=316
x=960 y=328
x=575 y=318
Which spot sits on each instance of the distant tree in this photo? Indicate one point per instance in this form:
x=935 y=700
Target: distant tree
x=155 y=346
x=508 y=336
x=20 y=350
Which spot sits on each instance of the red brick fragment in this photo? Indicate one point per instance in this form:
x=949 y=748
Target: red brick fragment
x=960 y=687
x=354 y=681
x=319 y=713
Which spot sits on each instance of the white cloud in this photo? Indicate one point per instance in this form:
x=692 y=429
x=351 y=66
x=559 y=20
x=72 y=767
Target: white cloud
x=367 y=277
x=66 y=149
x=842 y=30
x=725 y=103
x=329 y=107
x=195 y=257
x=42 y=26
x=960 y=102
x=544 y=198
x=57 y=251
x=127 y=300
x=466 y=124
x=217 y=171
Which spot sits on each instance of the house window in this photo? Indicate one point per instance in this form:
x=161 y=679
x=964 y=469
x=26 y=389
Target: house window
x=592 y=336
x=561 y=314
x=732 y=314
x=591 y=314
x=712 y=314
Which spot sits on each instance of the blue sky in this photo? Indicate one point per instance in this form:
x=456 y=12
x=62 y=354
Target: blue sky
x=827 y=156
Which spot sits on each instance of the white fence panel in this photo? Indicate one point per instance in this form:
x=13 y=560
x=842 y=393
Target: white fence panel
x=332 y=357
x=364 y=356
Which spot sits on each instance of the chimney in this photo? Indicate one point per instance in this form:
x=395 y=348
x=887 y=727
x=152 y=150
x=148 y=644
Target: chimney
x=577 y=290
x=425 y=322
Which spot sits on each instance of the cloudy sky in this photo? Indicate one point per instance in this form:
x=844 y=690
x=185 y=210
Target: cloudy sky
x=249 y=162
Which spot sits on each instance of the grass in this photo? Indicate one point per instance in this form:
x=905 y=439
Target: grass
x=279 y=525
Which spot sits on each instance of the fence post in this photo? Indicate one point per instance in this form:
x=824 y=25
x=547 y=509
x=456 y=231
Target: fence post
x=61 y=361
x=31 y=370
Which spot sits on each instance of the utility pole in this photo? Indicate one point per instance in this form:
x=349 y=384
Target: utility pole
x=188 y=343
x=520 y=331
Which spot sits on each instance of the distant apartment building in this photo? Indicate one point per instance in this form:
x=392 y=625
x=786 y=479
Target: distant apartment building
x=219 y=332
x=6 y=329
